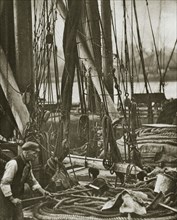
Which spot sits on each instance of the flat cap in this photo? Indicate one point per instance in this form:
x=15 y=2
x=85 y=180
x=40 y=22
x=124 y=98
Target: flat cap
x=31 y=146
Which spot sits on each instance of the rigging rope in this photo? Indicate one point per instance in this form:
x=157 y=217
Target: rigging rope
x=117 y=55
x=80 y=78
x=132 y=42
x=109 y=143
x=155 y=46
x=127 y=59
x=168 y=63
x=47 y=86
x=94 y=51
x=140 y=48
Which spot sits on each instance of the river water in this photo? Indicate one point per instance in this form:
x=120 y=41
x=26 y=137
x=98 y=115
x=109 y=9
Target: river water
x=170 y=90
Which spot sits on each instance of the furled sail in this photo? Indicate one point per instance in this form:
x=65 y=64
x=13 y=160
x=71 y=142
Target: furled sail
x=12 y=93
x=89 y=53
x=70 y=52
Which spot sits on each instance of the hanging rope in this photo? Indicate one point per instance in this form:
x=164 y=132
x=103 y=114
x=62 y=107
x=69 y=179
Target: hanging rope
x=56 y=60
x=106 y=133
x=128 y=138
x=109 y=143
x=83 y=128
x=80 y=78
x=47 y=86
x=119 y=94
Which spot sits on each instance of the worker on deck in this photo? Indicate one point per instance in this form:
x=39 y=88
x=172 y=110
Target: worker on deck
x=17 y=172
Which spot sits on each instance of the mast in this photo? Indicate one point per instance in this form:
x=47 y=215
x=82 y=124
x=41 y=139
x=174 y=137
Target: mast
x=107 y=60
x=24 y=50
x=140 y=48
x=127 y=59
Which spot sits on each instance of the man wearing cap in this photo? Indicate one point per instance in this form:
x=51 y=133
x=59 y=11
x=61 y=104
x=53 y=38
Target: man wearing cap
x=17 y=172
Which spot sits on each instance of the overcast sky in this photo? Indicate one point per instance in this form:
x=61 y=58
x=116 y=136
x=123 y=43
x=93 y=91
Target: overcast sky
x=163 y=15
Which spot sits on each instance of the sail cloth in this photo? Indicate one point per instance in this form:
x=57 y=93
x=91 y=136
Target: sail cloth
x=71 y=59
x=79 y=11
x=89 y=46
x=89 y=29
x=12 y=94
x=86 y=53
x=70 y=51
x=7 y=122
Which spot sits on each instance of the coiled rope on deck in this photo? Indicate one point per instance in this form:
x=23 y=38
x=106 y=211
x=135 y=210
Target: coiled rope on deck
x=83 y=205
x=43 y=212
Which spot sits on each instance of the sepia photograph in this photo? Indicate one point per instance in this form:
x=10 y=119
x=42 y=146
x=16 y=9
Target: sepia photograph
x=88 y=109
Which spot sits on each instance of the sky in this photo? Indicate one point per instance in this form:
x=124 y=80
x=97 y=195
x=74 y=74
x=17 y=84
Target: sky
x=164 y=26
x=163 y=14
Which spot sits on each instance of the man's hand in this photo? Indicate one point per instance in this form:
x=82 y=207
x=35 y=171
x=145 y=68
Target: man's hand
x=47 y=193
x=44 y=192
x=15 y=201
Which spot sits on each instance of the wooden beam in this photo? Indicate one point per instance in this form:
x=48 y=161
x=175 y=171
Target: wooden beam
x=98 y=163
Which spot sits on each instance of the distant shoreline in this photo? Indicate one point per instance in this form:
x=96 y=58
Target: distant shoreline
x=171 y=76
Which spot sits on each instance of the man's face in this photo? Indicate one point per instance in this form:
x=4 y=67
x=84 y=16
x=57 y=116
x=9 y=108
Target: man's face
x=31 y=155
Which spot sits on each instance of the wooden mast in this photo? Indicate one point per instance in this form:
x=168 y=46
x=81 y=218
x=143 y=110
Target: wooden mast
x=127 y=58
x=24 y=50
x=107 y=60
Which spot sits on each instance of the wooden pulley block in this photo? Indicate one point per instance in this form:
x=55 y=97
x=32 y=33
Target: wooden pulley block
x=49 y=38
